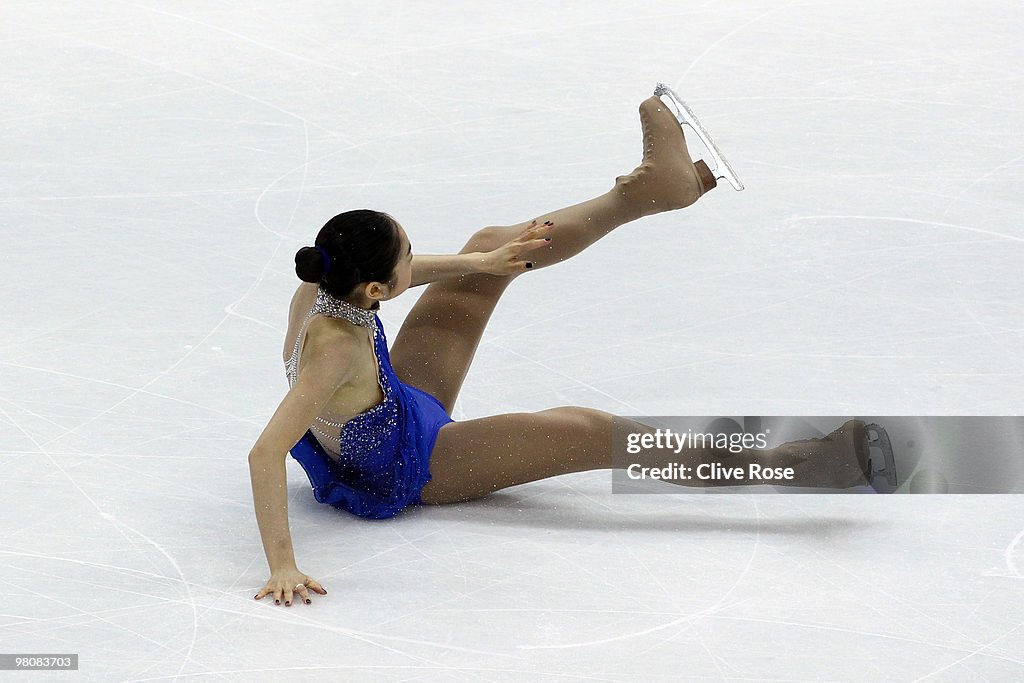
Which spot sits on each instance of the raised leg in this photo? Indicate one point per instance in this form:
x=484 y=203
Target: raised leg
x=435 y=346
x=475 y=457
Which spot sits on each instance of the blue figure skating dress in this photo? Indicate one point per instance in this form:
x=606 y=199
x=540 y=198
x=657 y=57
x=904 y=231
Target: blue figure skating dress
x=385 y=451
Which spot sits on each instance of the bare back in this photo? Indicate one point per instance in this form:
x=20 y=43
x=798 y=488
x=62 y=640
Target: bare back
x=362 y=391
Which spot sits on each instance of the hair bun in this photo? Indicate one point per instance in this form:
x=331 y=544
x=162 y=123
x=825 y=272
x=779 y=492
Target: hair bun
x=309 y=264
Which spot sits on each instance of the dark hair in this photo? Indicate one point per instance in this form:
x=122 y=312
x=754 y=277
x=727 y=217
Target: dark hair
x=362 y=245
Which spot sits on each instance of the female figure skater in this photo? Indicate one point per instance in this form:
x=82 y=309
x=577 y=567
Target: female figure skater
x=372 y=428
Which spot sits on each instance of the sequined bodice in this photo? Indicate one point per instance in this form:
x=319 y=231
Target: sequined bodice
x=370 y=429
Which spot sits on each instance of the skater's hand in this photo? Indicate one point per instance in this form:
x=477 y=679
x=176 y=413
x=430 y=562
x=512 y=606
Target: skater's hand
x=284 y=582
x=508 y=258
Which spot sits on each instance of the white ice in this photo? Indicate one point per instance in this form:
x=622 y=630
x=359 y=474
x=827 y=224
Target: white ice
x=162 y=161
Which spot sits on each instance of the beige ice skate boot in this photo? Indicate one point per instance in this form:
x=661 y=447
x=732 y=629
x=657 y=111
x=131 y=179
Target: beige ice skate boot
x=667 y=178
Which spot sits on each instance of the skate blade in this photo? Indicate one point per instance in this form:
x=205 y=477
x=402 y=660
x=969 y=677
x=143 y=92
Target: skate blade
x=722 y=170
x=881 y=441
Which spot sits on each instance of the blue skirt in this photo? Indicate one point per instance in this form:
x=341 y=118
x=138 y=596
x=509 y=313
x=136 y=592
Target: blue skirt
x=381 y=483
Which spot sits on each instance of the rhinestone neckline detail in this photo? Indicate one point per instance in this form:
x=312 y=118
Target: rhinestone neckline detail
x=334 y=307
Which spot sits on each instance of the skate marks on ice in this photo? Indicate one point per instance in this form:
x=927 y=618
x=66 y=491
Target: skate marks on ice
x=789 y=222
x=723 y=603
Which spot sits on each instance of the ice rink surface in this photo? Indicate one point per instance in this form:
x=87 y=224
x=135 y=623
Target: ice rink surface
x=162 y=162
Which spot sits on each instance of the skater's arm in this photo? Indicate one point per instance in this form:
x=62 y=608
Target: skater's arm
x=507 y=259
x=270 y=495
x=427 y=268
x=327 y=366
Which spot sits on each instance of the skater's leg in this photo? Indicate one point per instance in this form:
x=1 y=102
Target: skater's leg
x=435 y=346
x=476 y=457
x=666 y=179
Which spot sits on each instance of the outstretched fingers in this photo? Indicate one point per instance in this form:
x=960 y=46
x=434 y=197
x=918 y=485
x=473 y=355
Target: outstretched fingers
x=286 y=587
x=533 y=237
